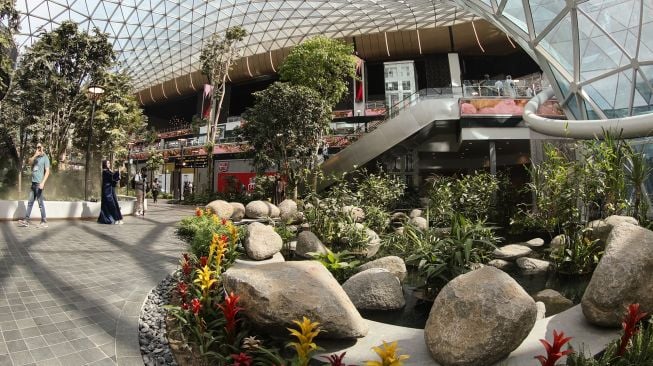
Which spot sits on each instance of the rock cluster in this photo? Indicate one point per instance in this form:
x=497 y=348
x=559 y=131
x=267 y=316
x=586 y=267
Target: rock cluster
x=152 y=326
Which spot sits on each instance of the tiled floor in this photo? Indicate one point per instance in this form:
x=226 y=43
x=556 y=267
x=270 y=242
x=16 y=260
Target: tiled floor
x=71 y=294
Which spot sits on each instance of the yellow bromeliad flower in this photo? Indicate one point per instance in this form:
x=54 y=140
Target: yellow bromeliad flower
x=233 y=232
x=305 y=345
x=221 y=248
x=388 y=354
x=213 y=247
x=204 y=280
x=215 y=218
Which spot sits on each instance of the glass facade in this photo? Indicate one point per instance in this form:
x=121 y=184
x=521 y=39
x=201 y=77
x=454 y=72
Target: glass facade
x=159 y=40
x=600 y=52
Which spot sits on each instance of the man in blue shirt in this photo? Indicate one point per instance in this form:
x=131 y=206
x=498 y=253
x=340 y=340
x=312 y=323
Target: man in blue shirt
x=40 y=172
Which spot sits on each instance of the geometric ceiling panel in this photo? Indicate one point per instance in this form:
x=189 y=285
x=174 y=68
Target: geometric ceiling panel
x=599 y=52
x=158 y=40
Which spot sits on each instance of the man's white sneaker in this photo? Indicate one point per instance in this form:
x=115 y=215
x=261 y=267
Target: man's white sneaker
x=23 y=223
x=119 y=222
x=43 y=225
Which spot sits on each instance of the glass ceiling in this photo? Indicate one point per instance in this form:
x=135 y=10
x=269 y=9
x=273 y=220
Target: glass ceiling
x=600 y=52
x=158 y=40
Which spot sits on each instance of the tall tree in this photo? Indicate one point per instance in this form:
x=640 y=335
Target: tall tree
x=53 y=74
x=218 y=56
x=322 y=64
x=9 y=20
x=285 y=127
x=118 y=116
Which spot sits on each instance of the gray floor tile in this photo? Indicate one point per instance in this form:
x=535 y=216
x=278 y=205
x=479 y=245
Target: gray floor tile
x=22 y=358
x=35 y=342
x=41 y=354
x=62 y=349
x=73 y=359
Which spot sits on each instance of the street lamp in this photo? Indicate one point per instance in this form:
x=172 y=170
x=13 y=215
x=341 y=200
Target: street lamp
x=129 y=163
x=182 y=142
x=94 y=93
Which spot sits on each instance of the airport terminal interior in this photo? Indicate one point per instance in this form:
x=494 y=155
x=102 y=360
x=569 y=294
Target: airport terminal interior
x=326 y=182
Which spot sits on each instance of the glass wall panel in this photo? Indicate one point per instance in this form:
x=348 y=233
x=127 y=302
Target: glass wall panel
x=558 y=43
x=514 y=11
x=598 y=53
x=544 y=11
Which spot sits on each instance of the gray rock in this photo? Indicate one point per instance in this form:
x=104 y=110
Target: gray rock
x=541 y=310
x=356 y=213
x=557 y=242
x=601 y=228
x=261 y=209
x=512 y=251
x=554 y=301
x=244 y=262
x=479 y=318
x=532 y=266
x=273 y=295
x=307 y=242
x=375 y=289
x=419 y=222
x=535 y=243
x=416 y=212
x=501 y=264
x=262 y=241
x=239 y=211
x=373 y=243
x=392 y=264
x=288 y=210
x=221 y=208
x=399 y=218
x=615 y=220
x=624 y=276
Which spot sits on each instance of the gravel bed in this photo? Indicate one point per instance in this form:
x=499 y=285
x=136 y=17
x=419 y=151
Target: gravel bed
x=152 y=325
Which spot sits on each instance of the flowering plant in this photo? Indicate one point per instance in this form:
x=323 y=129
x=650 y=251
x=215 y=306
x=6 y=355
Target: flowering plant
x=553 y=352
x=304 y=346
x=388 y=354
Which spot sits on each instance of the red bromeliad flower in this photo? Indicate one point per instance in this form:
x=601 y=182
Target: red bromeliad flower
x=185 y=265
x=230 y=309
x=196 y=305
x=633 y=316
x=224 y=222
x=185 y=306
x=182 y=290
x=241 y=359
x=199 y=212
x=553 y=352
x=203 y=261
x=336 y=360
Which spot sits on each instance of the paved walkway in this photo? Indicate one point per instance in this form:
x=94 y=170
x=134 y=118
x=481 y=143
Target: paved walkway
x=71 y=294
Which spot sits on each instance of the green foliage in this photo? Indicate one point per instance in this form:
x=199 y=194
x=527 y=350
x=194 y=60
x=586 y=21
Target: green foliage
x=471 y=195
x=442 y=258
x=409 y=241
x=323 y=64
x=9 y=22
x=52 y=78
x=198 y=231
x=638 y=353
x=155 y=160
x=579 y=254
x=341 y=264
x=285 y=128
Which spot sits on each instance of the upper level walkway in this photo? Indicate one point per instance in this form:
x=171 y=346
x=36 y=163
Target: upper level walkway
x=71 y=294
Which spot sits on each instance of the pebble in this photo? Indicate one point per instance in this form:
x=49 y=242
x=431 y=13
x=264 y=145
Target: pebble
x=152 y=327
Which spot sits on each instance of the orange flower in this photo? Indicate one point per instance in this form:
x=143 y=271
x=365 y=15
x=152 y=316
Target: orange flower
x=199 y=212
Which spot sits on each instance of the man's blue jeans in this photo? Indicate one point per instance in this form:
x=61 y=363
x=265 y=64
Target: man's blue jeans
x=35 y=193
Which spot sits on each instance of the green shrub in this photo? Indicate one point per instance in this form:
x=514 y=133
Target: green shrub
x=198 y=231
x=468 y=244
x=471 y=195
x=341 y=264
x=579 y=254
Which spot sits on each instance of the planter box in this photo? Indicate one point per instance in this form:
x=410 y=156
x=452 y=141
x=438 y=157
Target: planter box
x=14 y=210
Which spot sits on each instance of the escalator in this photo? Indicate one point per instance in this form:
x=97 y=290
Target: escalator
x=402 y=120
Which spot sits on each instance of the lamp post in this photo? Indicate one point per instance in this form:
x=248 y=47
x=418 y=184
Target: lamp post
x=94 y=93
x=129 y=163
x=182 y=142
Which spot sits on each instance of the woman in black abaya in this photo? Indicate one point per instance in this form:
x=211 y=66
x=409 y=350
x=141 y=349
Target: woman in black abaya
x=110 y=211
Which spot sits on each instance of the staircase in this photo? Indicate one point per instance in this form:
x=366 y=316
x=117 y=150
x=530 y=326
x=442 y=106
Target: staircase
x=404 y=119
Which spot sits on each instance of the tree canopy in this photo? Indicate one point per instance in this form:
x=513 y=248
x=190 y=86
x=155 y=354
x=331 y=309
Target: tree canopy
x=322 y=64
x=285 y=127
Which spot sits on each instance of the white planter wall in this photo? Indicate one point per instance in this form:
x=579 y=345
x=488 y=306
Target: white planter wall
x=14 y=210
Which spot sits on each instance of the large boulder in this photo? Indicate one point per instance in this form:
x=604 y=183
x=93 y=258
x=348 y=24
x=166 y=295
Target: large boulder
x=245 y=262
x=288 y=210
x=307 y=242
x=239 y=211
x=262 y=242
x=554 y=301
x=273 y=295
x=512 y=251
x=502 y=264
x=392 y=264
x=221 y=208
x=601 y=228
x=535 y=243
x=479 y=318
x=261 y=210
x=624 y=276
x=375 y=289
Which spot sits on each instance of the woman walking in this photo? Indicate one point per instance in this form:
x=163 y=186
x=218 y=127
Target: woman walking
x=156 y=187
x=109 y=210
